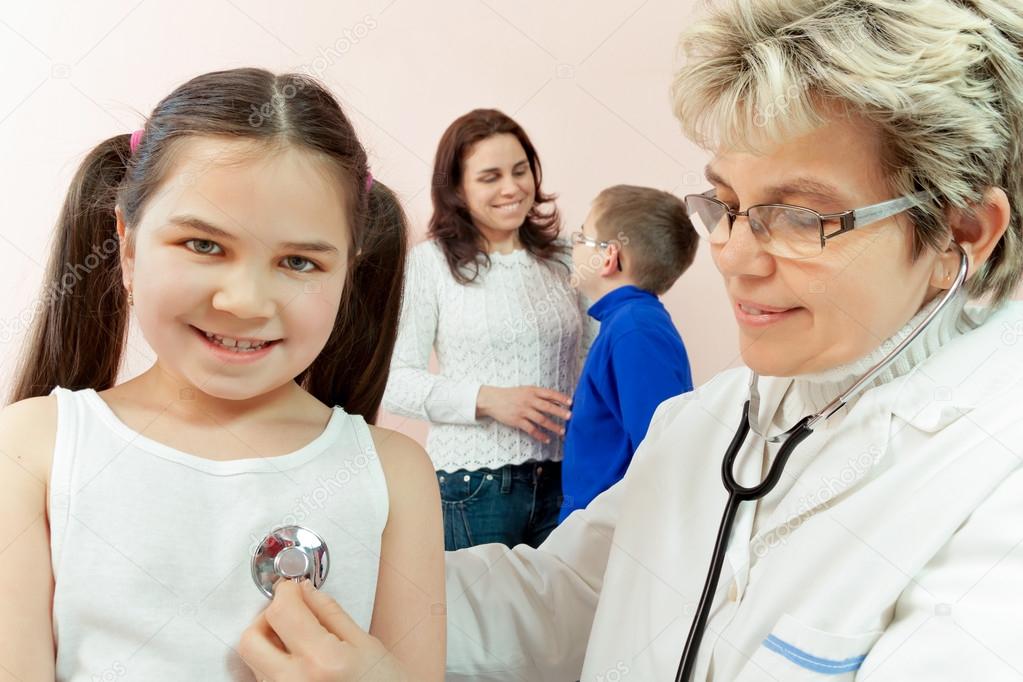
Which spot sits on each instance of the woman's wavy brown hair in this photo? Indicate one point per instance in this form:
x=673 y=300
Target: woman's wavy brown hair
x=451 y=226
x=78 y=339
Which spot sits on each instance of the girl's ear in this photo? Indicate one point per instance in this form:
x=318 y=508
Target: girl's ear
x=126 y=250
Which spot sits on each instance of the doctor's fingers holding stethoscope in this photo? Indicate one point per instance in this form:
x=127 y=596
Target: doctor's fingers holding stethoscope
x=306 y=636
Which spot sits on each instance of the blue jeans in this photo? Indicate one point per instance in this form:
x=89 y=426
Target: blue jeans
x=518 y=503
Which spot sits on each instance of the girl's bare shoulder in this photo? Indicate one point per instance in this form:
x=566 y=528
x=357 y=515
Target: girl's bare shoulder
x=404 y=461
x=28 y=431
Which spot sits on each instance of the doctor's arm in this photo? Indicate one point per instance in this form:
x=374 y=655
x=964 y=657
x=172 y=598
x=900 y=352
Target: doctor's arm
x=961 y=618
x=26 y=633
x=526 y=614
x=523 y=613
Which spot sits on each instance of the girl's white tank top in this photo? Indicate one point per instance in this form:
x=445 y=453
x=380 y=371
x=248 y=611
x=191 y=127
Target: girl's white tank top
x=151 y=546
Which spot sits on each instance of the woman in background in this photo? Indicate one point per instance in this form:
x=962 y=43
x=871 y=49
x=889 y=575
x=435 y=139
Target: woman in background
x=489 y=291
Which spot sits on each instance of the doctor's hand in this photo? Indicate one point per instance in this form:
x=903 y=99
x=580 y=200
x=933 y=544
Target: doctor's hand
x=525 y=408
x=305 y=636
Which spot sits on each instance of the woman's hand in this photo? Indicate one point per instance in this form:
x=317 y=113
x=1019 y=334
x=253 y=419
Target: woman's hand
x=305 y=636
x=525 y=408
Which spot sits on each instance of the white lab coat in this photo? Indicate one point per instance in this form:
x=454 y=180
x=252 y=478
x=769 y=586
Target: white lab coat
x=896 y=555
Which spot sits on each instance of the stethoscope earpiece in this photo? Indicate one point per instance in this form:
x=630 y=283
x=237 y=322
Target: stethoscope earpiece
x=289 y=553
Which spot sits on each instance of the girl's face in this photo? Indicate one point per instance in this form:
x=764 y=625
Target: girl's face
x=800 y=316
x=497 y=184
x=247 y=244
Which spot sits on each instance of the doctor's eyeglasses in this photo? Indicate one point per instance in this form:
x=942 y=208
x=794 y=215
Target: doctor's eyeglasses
x=789 y=231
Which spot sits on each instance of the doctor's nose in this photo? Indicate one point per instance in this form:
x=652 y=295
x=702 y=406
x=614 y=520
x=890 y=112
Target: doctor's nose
x=743 y=253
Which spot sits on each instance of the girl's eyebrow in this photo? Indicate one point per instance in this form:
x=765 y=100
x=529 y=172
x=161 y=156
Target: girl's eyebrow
x=201 y=225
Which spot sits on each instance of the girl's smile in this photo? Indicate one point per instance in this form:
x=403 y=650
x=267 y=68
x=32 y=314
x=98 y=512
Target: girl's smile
x=229 y=349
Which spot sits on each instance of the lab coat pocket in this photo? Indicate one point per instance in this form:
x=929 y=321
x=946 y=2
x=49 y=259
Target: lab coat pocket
x=795 y=651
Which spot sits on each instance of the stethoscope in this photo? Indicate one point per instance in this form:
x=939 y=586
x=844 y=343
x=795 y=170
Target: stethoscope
x=793 y=437
x=289 y=553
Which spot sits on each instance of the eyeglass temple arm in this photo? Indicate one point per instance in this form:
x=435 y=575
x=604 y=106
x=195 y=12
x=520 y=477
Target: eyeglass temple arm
x=872 y=214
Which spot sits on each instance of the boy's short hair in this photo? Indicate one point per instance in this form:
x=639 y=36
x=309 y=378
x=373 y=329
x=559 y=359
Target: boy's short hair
x=658 y=241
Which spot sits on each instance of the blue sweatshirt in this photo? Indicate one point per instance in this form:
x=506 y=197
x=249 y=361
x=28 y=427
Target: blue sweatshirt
x=636 y=362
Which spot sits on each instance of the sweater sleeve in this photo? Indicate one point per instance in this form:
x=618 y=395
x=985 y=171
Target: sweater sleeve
x=590 y=329
x=647 y=369
x=412 y=390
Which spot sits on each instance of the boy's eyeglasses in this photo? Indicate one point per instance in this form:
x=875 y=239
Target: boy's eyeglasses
x=789 y=231
x=580 y=238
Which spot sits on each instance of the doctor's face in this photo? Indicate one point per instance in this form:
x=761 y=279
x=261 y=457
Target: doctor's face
x=801 y=316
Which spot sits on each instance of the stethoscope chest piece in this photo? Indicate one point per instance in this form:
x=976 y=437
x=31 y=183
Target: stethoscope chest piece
x=289 y=553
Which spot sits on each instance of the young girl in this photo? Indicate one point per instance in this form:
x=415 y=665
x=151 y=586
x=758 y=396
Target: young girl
x=264 y=267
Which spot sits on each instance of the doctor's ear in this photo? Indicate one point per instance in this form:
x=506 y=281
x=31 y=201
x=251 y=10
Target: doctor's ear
x=977 y=230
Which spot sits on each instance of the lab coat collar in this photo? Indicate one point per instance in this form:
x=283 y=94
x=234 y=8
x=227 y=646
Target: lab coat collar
x=841 y=459
x=970 y=369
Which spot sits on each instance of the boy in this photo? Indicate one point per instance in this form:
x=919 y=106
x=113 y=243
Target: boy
x=634 y=244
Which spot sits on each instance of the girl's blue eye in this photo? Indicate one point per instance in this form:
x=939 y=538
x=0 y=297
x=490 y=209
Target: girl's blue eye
x=304 y=260
x=292 y=259
x=201 y=241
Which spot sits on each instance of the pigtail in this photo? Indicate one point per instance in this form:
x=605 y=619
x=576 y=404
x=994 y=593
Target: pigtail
x=353 y=368
x=79 y=322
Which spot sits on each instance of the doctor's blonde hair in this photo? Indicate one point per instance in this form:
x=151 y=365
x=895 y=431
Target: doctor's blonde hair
x=942 y=80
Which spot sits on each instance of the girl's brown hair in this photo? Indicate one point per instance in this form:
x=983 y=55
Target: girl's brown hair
x=452 y=227
x=78 y=339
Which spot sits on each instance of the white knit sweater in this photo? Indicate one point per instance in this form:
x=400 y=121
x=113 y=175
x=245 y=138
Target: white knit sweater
x=519 y=324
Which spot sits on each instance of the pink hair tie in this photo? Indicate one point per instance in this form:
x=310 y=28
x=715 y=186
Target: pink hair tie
x=136 y=139
x=369 y=181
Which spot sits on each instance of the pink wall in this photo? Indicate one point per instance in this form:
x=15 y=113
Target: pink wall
x=589 y=82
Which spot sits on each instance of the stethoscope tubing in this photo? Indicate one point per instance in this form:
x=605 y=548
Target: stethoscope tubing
x=736 y=495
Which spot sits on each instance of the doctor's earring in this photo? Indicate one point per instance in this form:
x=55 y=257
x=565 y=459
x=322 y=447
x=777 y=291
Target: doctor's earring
x=942 y=277
x=131 y=297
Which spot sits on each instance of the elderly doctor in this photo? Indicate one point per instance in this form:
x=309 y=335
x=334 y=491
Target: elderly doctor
x=891 y=547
